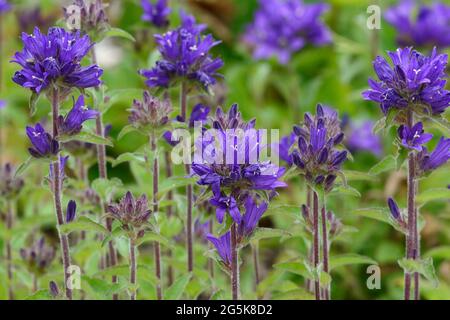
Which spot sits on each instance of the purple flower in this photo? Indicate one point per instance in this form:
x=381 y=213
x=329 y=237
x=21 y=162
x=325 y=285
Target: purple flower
x=62 y=168
x=362 y=138
x=38 y=257
x=224 y=204
x=250 y=219
x=283 y=27
x=185 y=56
x=413 y=81
x=4 y=6
x=393 y=207
x=223 y=247
x=420 y=25
x=413 y=138
x=156 y=12
x=130 y=212
x=440 y=155
x=44 y=145
x=284 y=147
x=316 y=154
x=71 y=211
x=55 y=59
x=73 y=122
x=150 y=113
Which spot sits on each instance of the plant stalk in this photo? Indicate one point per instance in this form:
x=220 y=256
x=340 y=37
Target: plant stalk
x=133 y=269
x=325 y=250
x=9 y=266
x=316 y=244
x=169 y=212
x=234 y=263
x=57 y=194
x=255 y=252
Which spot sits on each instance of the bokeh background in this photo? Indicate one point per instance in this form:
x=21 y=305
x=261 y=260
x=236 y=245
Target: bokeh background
x=277 y=96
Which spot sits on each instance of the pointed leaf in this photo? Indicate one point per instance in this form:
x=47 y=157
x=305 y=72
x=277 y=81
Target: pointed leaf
x=178 y=287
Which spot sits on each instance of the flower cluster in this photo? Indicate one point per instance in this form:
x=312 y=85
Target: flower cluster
x=185 y=56
x=38 y=257
x=151 y=113
x=10 y=185
x=414 y=81
x=90 y=15
x=156 y=13
x=44 y=145
x=73 y=122
x=132 y=213
x=317 y=155
x=421 y=25
x=283 y=27
x=54 y=59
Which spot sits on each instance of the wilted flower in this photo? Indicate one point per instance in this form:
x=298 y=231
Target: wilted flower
x=156 y=12
x=223 y=247
x=413 y=138
x=44 y=145
x=90 y=15
x=151 y=113
x=73 y=122
x=55 y=59
x=10 y=185
x=362 y=138
x=251 y=217
x=431 y=161
x=132 y=213
x=283 y=27
x=414 y=81
x=317 y=155
x=185 y=56
x=38 y=257
x=71 y=211
x=4 y=6
x=420 y=25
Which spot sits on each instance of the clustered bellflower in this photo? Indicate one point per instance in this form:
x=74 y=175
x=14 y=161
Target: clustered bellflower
x=44 y=145
x=413 y=81
x=72 y=123
x=421 y=25
x=156 y=12
x=413 y=138
x=184 y=56
x=317 y=155
x=54 y=59
x=283 y=27
x=223 y=247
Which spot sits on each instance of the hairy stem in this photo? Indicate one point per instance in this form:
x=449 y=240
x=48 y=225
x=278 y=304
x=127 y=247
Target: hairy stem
x=189 y=189
x=57 y=194
x=133 y=269
x=157 y=246
x=211 y=261
x=255 y=252
x=9 y=266
x=311 y=249
x=234 y=263
x=325 y=250
x=169 y=212
x=316 y=244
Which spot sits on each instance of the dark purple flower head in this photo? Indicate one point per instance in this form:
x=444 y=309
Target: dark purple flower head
x=284 y=148
x=362 y=138
x=283 y=27
x=4 y=6
x=413 y=138
x=156 y=12
x=184 y=57
x=132 y=213
x=414 y=81
x=223 y=247
x=71 y=211
x=251 y=217
x=38 y=257
x=44 y=146
x=420 y=25
x=73 y=122
x=317 y=154
x=55 y=59
x=10 y=185
x=431 y=161
x=89 y=16
x=150 y=113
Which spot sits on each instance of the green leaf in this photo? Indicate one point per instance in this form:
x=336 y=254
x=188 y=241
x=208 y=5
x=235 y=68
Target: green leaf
x=129 y=157
x=120 y=33
x=126 y=130
x=442 y=252
x=23 y=167
x=423 y=266
x=83 y=223
x=296 y=294
x=173 y=183
x=40 y=295
x=433 y=194
x=386 y=164
x=119 y=96
x=352 y=175
x=87 y=137
x=341 y=190
x=291 y=211
x=176 y=290
x=218 y=295
x=266 y=233
x=153 y=237
x=295 y=267
x=106 y=187
x=442 y=124
x=349 y=259
x=376 y=213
